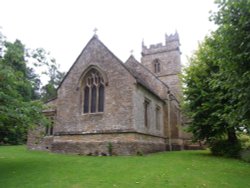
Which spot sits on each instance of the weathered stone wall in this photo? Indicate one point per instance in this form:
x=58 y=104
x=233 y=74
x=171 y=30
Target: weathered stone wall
x=173 y=81
x=174 y=131
x=98 y=144
x=118 y=94
x=37 y=139
x=175 y=121
x=148 y=77
x=140 y=95
x=170 y=62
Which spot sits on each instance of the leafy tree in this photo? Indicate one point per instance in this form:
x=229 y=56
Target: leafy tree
x=20 y=88
x=217 y=81
x=18 y=110
x=233 y=49
x=15 y=58
x=1 y=43
x=49 y=90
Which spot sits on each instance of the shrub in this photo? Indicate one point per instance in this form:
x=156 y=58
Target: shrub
x=225 y=148
x=245 y=155
x=245 y=141
x=139 y=153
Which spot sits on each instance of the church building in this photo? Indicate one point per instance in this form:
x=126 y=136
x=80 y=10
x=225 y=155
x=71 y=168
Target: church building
x=108 y=107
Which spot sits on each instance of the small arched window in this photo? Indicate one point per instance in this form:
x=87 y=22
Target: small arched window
x=157 y=66
x=93 y=92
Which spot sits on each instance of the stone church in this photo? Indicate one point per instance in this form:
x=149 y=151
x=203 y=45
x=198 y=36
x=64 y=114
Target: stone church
x=105 y=106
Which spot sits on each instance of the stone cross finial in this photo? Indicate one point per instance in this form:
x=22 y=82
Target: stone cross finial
x=95 y=30
x=131 y=52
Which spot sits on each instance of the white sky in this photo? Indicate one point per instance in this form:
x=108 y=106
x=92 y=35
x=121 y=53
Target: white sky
x=63 y=27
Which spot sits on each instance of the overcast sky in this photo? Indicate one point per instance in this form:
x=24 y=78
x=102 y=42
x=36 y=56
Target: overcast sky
x=64 y=27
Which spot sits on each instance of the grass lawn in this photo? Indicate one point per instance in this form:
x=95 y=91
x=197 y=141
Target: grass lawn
x=22 y=168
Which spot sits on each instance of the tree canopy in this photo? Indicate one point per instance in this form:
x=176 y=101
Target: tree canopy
x=17 y=110
x=43 y=59
x=20 y=90
x=217 y=89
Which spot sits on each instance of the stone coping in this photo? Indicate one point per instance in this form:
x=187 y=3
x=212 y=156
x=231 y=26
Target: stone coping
x=106 y=132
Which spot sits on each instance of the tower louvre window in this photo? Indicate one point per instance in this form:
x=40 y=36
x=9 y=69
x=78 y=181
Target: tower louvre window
x=157 y=66
x=93 y=92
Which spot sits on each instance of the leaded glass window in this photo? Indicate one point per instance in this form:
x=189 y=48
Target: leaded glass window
x=93 y=92
x=157 y=66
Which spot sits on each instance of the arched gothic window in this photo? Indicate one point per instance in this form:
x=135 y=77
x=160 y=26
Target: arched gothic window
x=93 y=92
x=157 y=66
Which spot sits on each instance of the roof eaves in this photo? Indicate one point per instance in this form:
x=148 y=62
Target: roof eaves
x=149 y=89
x=159 y=80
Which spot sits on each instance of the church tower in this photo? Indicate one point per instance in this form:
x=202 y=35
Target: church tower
x=164 y=61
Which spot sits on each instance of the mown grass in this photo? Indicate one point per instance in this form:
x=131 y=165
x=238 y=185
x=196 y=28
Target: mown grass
x=22 y=168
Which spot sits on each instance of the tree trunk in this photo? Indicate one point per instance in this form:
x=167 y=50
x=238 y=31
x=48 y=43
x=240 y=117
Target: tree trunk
x=232 y=138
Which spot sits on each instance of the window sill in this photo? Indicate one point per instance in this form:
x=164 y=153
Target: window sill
x=93 y=114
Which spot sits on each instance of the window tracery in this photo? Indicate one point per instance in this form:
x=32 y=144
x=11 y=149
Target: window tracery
x=93 y=92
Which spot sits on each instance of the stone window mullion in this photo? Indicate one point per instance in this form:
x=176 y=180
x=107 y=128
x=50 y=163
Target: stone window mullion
x=93 y=92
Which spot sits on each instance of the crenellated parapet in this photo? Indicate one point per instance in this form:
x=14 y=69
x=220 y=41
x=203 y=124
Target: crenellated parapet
x=171 y=44
x=172 y=38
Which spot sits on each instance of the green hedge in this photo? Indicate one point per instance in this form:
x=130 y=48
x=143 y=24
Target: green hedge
x=225 y=148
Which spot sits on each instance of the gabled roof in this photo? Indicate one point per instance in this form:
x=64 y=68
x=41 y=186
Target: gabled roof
x=132 y=63
x=94 y=38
